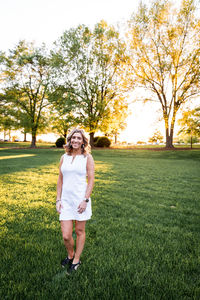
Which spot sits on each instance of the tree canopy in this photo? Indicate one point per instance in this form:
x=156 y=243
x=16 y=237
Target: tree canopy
x=26 y=82
x=86 y=77
x=88 y=65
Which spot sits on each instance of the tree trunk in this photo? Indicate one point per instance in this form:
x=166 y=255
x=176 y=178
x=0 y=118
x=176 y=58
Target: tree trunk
x=191 y=142
x=169 y=137
x=33 y=142
x=24 y=136
x=92 y=139
x=9 y=135
x=115 y=138
x=168 y=143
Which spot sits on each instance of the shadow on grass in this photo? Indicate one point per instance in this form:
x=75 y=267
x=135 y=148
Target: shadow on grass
x=21 y=160
x=148 y=154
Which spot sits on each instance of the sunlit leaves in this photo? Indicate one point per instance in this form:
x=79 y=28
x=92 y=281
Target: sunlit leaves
x=190 y=122
x=164 y=49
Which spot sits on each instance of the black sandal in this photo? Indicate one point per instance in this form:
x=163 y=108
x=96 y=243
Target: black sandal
x=67 y=261
x=74 y=267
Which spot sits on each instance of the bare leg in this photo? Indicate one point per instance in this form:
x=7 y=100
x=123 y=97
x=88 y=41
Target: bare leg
x=67 y=228
x=80 y=239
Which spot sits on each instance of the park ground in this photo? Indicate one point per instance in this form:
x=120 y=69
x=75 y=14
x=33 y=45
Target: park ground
x=141 y=243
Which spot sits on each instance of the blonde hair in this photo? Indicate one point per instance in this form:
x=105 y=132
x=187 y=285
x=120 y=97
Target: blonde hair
x=85 y=147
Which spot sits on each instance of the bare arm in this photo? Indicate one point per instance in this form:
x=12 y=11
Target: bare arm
x=59 y=187
x=90 y=174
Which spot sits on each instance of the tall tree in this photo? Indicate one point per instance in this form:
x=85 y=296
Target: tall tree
x=164 y=56
x=190 y=123
x=88 y=66
x=26 y=80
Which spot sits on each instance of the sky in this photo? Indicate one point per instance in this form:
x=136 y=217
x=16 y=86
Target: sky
x=45 y=20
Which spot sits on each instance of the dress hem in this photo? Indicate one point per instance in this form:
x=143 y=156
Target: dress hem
x=74 y=219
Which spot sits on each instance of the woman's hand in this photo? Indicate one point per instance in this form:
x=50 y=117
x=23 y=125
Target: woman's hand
x=82 y=207
x=58 y=206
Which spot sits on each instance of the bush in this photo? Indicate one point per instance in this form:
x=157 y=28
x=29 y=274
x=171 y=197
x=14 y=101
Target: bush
x=60 y=142
x=103 y=141
x=96 y=139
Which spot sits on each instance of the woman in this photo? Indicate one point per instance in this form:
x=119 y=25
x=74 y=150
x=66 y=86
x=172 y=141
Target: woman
x=73 y=201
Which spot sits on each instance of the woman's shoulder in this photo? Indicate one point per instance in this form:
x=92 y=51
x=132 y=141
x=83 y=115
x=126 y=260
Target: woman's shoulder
x=89 y=155
x=89 y=158
x=63 y=156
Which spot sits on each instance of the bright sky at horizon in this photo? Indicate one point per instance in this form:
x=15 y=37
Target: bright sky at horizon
x=45 y=20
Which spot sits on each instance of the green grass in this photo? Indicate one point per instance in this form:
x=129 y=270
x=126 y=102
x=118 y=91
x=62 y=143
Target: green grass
x=141 y=243
x=148 y=146
x=117 y=146
x=25 y=145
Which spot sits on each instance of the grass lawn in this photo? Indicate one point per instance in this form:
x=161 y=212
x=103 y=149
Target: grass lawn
x=143 y=241
x=117 y=146
x=24 y=145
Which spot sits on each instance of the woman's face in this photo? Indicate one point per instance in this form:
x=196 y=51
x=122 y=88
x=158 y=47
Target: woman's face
x=76 y=140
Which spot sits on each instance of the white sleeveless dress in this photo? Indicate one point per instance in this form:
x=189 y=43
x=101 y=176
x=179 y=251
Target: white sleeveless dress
x=74 y=188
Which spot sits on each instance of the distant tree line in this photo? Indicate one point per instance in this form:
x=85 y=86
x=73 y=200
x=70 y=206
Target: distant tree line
x=88 y=75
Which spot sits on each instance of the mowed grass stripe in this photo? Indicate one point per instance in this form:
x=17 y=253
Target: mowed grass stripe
x=142 y=241
x=15 y=156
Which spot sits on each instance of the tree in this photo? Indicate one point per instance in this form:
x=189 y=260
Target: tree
x=7 y=117
x=116 y=121
x=88 y=66
x=190 y=123
x=6 y=124
x=62 y=108
x=164 y=50
x=24 y=123
x=62 y=123
x=157 y=137
x=26 y=80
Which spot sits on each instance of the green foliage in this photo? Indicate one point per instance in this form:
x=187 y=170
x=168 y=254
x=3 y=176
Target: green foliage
x=8 y=120
x=95 y=140
x=87 y=65
x=60 y=142
x=146 y=247
x=103 y=141
x=62 y=116
x=62 y=123
x=192 y=140
x=25 y=86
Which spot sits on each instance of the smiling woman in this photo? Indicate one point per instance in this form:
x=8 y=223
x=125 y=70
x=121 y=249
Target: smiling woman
x=73 y=194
